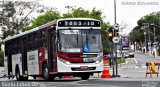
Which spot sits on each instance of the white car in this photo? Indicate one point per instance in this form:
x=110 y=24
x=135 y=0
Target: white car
x=126 y=55
x=131 y=53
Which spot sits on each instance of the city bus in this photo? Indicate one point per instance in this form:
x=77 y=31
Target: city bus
x=70 y=46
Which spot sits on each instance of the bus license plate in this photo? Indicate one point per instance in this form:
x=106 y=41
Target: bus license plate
x=88 y=60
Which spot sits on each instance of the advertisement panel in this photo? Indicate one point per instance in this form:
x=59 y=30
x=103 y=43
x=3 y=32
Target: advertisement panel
x=125 y=41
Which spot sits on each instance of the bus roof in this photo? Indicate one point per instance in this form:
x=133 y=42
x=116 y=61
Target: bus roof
x=32 y=30
x=44 y=26
x=78 y=19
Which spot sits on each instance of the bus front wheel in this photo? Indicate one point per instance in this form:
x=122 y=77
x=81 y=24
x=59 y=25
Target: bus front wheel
x=85 y=76
x=19 y=77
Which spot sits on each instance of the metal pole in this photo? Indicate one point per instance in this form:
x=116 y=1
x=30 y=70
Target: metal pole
x=149 y=40
x=115 y=20
x=113 y=58
x=145 y=43
x=154 y=45
x=113 y=61
x=115 y=14
x=154 y=34
x=116 y=60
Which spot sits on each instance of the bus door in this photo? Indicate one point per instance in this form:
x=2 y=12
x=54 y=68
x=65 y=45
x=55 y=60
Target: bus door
x=24 y=54
x=52 y=54
x=9 y=50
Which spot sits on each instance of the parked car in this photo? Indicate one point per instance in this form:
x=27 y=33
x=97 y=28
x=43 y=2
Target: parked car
x=131 y=53
x=125 y=53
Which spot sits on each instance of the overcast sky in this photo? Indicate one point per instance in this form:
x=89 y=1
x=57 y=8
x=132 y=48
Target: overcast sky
x=128 y=11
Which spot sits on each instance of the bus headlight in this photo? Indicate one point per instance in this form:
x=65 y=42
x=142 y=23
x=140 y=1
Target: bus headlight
x=65 y=61
x=100 y=57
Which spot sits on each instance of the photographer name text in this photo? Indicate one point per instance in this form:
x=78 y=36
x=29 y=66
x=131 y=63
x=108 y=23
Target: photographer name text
x=139 y=3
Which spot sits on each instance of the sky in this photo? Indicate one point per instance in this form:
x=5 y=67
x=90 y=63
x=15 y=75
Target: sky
x=128 y=11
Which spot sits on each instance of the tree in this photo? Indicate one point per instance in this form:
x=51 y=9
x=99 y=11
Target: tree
x=144 y=25
x=7 y=13
x=16 y=14
x=137 y=35
x=152 y=18
x=42 y=19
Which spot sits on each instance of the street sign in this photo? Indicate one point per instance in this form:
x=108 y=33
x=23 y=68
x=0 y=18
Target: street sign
x=116 y=26
x=115 y=39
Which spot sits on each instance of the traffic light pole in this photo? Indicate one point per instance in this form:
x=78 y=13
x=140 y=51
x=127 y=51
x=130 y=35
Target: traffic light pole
x=113 y=61
x=115 y=44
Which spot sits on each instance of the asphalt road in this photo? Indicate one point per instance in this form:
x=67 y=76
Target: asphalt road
x=136 y=67
x=93 y=82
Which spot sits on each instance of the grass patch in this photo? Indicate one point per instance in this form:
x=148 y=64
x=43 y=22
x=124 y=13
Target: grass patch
x=120 y=60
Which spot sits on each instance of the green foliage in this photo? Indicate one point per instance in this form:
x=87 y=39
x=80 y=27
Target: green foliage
x=1 y=58
x=136 y=35
x=106 y=43
x=47 y=17
x=42 y=19
x=151 y=18
x=121 y=60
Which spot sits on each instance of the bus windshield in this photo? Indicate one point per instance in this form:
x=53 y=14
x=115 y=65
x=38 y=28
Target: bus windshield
x=80 y=40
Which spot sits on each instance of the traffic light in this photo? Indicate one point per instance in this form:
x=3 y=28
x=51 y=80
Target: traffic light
x=116 y=33
x=116 y=30
x=110 y=34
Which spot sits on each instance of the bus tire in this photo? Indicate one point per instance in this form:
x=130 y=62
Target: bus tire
x=46 y=75
x=85 y=76
x=18 y=77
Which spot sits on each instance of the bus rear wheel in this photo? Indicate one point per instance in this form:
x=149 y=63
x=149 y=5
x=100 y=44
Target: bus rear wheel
x=46 y=75
x=18 y=77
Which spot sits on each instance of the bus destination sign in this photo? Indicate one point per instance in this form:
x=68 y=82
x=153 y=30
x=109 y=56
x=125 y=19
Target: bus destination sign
x=79 y=23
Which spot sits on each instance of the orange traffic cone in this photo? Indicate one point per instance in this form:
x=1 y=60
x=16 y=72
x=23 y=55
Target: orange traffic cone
x=106 y=73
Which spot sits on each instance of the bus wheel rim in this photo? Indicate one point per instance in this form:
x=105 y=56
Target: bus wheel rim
x=17 y=74
x=46 y=72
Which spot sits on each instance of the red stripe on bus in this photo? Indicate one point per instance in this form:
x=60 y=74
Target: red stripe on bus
x=65 y=56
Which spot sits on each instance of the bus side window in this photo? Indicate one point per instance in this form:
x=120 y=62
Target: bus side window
x=19 y=45
x=44 y=33
x=43 y=38
x=14 y=46
x=31 y=40
x=36 y=38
